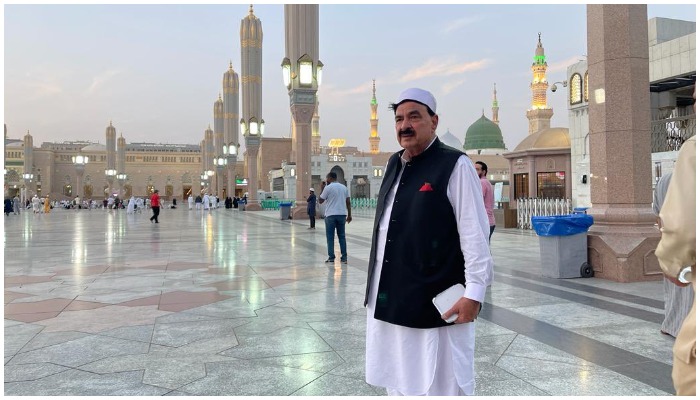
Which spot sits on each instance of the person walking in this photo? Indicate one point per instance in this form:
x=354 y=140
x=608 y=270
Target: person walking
x=155 y=206
x=311 y=208
x=36 y=204
x=482 y=169
x=337 y=200
x=15 y=205
x=8 y=206
x=206 y=202
x=47 y=205
x=430 y=234
x=676 y=255
x=190 y=201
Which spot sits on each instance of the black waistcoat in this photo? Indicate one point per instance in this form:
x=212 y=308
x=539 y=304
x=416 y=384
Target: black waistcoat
x=422 y=254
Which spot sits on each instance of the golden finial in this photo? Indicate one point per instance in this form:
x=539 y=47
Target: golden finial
x=230 y=64
x=251 y=10
x=219 y=95
x=110 y=122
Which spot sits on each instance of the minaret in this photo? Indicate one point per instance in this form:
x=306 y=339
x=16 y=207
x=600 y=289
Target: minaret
x=539 y=114
x=231 y=85
x=28 y=161
x=251 y=92
x=209 y=153
x=315 y=132
x=121 y=162
x=121 y=154
x=494 y=106
x=111 y=140
x=231 y=116
x=373 y=122
x=219 y=121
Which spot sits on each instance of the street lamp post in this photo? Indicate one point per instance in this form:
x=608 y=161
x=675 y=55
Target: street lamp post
x=121 y=178
x=220 y=163
x=110 y=174
x=302 y=73
x=253 y=132
x=27 y=181
x=80 y=161
x=231 y=154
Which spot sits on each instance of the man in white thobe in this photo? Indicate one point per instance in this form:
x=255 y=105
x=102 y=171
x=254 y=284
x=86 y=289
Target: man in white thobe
x=430 y=232
x=205 y=201
x=190 y=202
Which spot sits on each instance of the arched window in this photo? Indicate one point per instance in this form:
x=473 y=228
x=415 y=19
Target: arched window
x=585 y=87
x=575 y=84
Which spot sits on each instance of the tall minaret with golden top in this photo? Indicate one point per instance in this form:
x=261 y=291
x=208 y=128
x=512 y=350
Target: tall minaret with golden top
x=494 y=106
x=539 y=114
x=373 y=122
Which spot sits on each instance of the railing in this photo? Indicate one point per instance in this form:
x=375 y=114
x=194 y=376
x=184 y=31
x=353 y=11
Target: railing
x=670 y=131
x=363 y=203
x=274 y=204
x=527 y=208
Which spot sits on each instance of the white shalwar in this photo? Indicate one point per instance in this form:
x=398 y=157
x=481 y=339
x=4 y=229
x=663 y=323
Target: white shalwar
x=437 y=361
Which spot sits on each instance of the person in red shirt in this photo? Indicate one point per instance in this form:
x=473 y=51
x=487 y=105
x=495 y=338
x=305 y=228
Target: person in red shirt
x=155 y=205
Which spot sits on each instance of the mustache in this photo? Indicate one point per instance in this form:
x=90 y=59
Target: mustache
x=407 y=131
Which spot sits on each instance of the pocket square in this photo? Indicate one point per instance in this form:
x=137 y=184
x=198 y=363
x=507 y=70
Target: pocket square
x=426 y=187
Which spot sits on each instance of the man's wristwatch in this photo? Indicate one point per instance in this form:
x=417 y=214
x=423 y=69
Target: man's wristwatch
x=683 y=273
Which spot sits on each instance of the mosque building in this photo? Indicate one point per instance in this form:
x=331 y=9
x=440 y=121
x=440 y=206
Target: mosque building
x=540 y=165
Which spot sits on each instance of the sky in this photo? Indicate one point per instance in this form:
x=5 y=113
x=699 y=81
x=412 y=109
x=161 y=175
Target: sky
x=155 y=71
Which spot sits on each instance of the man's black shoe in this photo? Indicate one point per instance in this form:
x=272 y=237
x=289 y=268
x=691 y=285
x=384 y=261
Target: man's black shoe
x=330 y=260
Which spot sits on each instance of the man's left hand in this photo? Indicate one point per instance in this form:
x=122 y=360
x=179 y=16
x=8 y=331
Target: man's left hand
x=348 y=219
x=466 y=309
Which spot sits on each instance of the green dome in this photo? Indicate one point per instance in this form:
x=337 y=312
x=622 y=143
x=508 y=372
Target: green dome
x=483 y=134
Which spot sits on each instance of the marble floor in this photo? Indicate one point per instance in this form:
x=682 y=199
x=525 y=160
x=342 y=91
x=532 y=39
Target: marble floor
x=241 y=303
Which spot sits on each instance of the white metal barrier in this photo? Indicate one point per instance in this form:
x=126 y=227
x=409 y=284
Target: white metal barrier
x=527 y=208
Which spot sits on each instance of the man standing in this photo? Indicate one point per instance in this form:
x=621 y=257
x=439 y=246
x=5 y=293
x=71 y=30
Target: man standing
x=190 y=201
x=430 y=232
x=155 y=205
x=482 y=169
x=15 y=205
x=676 y=254
x=311 y=208
x=338 y=201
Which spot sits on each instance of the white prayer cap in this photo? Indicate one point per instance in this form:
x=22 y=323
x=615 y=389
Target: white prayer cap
x=311 y=189
x=420 y=96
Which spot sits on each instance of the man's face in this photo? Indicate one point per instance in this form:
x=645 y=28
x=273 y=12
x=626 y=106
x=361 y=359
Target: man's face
x=415 y=128
x=479 y=171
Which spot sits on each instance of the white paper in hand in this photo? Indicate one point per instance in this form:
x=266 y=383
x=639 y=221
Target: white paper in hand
x=446 y=299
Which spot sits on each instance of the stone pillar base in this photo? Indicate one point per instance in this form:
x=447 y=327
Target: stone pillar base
x=621 y=244
x=253 y=207
x=300 y=213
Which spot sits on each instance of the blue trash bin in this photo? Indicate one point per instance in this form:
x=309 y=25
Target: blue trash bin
x=580 y=210
x=564 y=245
x=285 y=211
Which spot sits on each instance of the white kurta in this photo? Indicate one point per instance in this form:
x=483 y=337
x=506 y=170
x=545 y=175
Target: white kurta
x=437 y=361
x=205 y=202
x=132 y=206
x=190 y=201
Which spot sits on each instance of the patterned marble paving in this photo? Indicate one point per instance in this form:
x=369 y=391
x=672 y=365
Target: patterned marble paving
x=232 y=303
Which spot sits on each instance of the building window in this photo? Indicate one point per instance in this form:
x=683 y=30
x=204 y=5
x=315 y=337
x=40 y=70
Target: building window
x=551 y=185
x=657 y=171
x=585 y=87
x=575 y=89
x=522 y=187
